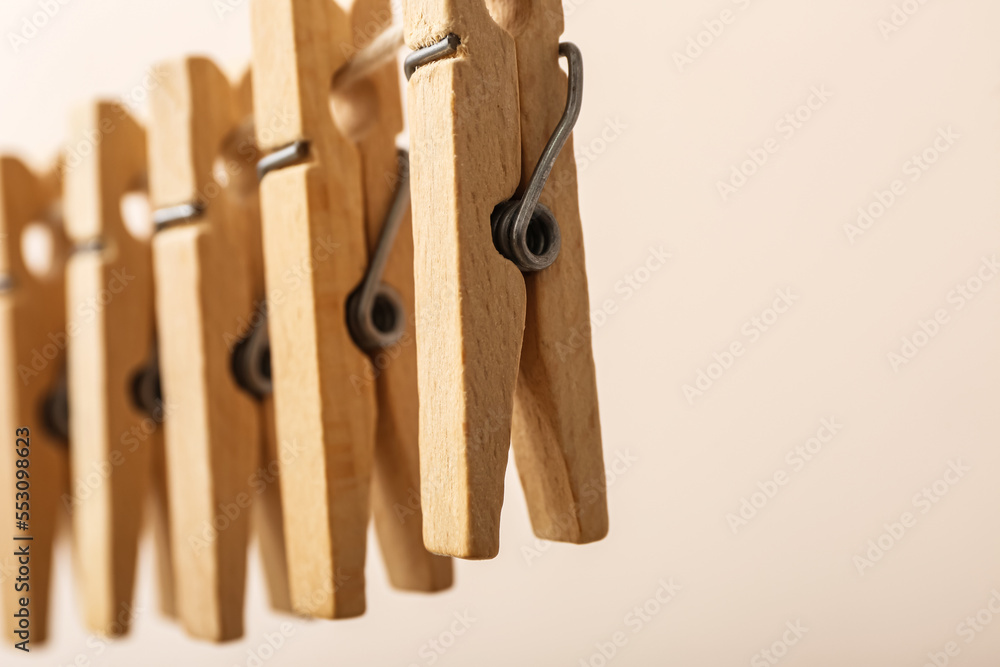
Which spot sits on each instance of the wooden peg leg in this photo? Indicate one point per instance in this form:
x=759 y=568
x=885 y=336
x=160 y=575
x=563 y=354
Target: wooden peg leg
x=32 y=345
x=470 y=301
x=212 y=431
x=557 y=426
x=269 y=515
x=205 y=301
x=110 y=319
x=159 y=513
x=325 y=433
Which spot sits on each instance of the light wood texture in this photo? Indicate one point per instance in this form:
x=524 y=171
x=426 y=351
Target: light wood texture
x=159 y=519
x=32 y=356
x=207 y=288
x=470 y=301
x=396 y=483
x=110 y=318
x=313 y=218
x=557 y=426
x=268 y=517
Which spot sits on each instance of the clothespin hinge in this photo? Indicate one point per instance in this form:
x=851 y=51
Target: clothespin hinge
x=525 y=231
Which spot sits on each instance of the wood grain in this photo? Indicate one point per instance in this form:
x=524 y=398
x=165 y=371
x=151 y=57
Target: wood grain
x=396 y=483
x=110 y=318
x=268 y=517
x=470 y=301
x=159 y=519
x=32 y=356
x=207 y=288
x=557 y=427
x=313 y=217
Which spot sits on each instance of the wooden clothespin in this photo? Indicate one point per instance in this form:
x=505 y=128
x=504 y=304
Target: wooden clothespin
x=222 y=455
x=396 y=483
x=323 y=200
x=501 y=287
x=33 y=463
x=114 y=411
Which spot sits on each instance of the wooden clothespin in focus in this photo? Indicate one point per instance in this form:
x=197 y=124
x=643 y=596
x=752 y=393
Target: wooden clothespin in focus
x=501 y=287
x=214 y=351
x=115 y=408
x=33 y=465
x=324 y=196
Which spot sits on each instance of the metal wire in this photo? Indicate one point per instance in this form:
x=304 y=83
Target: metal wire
x=165 y=218
x=446 y=47
x=147 y=391
x=292 y=154
x=375 y=313
x=55 y=410
x=525 y=231
x=252 y=361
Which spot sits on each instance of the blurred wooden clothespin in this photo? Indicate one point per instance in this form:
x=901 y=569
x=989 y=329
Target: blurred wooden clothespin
x=214 y=356
x=115 y=408
x=33 y=463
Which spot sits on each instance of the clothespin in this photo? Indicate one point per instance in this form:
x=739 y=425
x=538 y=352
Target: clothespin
x=323 y=193
x=501 y=288
x=33 y=463
x=221 y=452
x=115 y=410
x=396 y=482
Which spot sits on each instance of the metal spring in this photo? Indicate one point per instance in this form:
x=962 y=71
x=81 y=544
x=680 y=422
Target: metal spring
x=376 y=317
x=251 y=362
x=525 y=231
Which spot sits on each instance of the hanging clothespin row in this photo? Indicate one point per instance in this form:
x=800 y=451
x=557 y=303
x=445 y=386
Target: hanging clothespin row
x=324 y=202
x=33 y=460
x=115 y=407
x=504 y=346
x=213 y=342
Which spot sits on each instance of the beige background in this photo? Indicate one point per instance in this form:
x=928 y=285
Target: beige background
x=654 y=140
